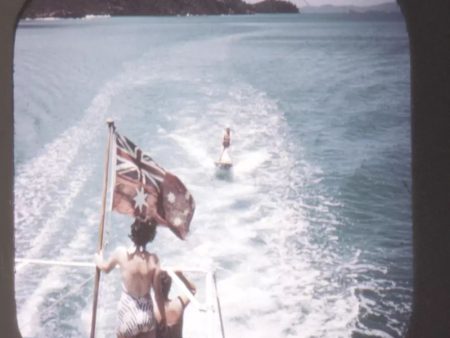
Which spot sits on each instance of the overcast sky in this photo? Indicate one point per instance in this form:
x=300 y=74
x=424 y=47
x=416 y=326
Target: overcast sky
x=302 y=3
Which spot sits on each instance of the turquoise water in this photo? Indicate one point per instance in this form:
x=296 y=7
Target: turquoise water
x=310 y=234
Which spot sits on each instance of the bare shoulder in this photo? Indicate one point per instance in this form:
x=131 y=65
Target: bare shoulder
x=120 y=252
x=153 y=258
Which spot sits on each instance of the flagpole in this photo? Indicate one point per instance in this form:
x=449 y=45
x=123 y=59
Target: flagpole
x=101 y=226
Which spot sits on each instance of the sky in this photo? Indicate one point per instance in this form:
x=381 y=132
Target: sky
x=302 y=3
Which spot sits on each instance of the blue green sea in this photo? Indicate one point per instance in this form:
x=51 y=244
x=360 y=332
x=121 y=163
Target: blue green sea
x=309 y=235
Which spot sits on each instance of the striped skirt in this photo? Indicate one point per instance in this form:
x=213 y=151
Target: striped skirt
x=135 y=315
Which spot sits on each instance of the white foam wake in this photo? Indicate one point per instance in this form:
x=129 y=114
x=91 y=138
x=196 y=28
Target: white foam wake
x=272 y=281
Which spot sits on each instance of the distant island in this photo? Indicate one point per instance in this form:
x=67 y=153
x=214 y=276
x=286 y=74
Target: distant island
x=384 y=8
x=82 y=8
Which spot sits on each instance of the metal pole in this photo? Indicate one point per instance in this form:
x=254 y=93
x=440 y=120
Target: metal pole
x=101 y=227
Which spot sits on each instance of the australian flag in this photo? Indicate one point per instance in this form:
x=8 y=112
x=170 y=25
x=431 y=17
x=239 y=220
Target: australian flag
x=143 y=189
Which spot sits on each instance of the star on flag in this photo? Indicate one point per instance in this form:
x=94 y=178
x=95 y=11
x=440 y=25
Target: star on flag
x=140 y=199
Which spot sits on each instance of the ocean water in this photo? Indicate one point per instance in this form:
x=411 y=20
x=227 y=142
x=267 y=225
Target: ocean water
x=310 y=234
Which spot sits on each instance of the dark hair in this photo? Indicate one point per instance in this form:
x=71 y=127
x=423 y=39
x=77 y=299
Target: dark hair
x=142 y=232
x=166 y=283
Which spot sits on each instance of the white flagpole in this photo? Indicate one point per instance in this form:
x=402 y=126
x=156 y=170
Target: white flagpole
x=101 y=226
x=222 y=329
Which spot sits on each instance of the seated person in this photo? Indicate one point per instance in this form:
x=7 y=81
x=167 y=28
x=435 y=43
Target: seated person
x=174 y=308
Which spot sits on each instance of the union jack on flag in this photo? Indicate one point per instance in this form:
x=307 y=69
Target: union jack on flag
x=143 y=189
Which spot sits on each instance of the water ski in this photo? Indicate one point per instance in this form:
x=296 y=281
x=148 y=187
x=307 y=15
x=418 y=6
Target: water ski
x=225 y=160
x=222 y=165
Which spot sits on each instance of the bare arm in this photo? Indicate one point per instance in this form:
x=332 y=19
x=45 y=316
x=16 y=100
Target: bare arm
x=108 y=265
x=158 y=295
x=191 y=286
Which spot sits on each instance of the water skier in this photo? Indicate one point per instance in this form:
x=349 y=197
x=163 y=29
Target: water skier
x=225 y=159
x=226 y=138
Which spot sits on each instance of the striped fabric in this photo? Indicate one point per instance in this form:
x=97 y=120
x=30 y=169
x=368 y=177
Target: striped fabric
x=135 y=315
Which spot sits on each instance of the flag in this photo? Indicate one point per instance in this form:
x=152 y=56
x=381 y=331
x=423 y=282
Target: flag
x=144 y=189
